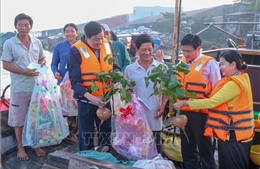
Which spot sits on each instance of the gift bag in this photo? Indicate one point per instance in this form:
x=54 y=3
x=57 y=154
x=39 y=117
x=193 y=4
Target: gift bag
x=68 y=103
x=44 y=124
x=134 y=138
x=116 y=102
x=156 y=163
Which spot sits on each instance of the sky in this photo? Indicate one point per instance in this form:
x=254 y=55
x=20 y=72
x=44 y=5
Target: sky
x=50 y=14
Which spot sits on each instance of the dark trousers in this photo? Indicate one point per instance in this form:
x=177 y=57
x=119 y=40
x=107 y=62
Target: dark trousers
x=86 y=119
x=233 y=154
x=158 y=141
x=198 y=152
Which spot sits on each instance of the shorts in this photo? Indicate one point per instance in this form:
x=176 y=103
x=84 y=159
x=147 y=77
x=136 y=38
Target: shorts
x=19 y=103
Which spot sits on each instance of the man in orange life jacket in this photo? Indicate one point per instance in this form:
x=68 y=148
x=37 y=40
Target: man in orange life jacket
x=85 y=57
x=204 y=73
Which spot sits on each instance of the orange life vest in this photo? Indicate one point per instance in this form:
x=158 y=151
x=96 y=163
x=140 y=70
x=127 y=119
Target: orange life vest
x=90 y=64
x=195 y=82
x=240 y=118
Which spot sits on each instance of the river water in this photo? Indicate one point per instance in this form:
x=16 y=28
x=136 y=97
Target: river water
x=5 y=75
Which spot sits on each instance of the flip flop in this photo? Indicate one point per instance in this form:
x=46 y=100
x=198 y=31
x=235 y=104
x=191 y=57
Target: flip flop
x=67 y=141
x=73 y=137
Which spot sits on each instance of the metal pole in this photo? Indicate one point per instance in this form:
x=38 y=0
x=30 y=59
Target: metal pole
x=225 y=31
x=203 y=30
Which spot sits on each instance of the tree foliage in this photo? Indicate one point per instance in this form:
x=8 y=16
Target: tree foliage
x=167 y=25
x=211 y=36
x=255 y=4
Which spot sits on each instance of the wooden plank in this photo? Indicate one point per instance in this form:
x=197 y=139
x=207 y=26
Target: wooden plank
x=60 y=157
x=242 y=51
x=47 y=166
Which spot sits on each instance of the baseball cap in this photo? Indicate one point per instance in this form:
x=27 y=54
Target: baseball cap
x=106 y=27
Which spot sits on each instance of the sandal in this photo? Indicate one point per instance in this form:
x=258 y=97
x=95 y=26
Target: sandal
x=67 y=142
x=73 y=137
x=70 y=139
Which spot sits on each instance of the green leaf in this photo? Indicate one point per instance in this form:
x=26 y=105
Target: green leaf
x=123 y=93
x=128 y=97
x=94 y=87
x=183 y=67
x=131 y=84
x=105 y=86
x=173 y=83
x=111 y=61
x=190 y=94
x=183 y=64
x=179 y=92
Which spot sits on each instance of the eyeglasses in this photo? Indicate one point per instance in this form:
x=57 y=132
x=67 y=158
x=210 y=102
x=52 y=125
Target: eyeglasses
x=97 y=40
x=187 y=51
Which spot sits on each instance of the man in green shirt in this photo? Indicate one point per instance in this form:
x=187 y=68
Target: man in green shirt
x=119 y=49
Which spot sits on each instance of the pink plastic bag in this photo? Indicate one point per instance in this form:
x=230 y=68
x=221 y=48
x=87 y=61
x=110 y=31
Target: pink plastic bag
x=68 y=103
x=134 y=138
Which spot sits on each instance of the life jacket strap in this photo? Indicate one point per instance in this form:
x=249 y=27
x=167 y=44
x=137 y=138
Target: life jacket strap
x=229 y=127
x=195 y=84
x=228 y=113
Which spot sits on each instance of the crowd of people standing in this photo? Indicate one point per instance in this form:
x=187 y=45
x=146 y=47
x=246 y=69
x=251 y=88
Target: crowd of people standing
x=233 y=129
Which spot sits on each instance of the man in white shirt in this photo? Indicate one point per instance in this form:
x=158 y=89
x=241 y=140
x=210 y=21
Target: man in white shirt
x=137 y=72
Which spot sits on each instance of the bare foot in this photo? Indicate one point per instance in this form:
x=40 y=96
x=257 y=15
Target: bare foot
x=21 y=154
x=39 y=152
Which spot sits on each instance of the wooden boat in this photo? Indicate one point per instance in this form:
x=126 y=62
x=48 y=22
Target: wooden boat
x=58 y=156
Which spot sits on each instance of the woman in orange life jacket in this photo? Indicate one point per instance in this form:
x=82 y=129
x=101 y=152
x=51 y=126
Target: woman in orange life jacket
x=230 y=118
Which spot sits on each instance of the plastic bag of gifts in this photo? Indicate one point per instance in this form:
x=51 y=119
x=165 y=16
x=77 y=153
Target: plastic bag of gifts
x=134 y=138
x=116 y=102
x=68 y=103
x=44 y=124
x=157 y=163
